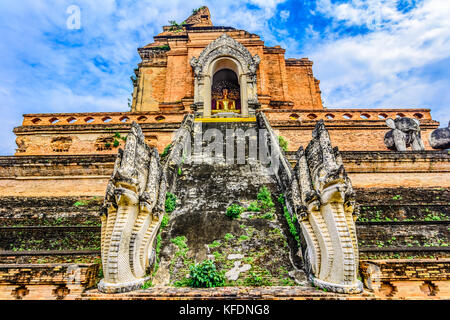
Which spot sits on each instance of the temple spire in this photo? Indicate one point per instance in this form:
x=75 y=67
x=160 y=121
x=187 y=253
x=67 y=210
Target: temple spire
x=200 y=17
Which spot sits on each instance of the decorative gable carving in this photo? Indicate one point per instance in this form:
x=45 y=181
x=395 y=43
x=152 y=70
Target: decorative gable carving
x=225 y=46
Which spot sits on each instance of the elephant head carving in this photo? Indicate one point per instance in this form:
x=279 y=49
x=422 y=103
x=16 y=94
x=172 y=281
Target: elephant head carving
x=405 y=133
x=440 y=138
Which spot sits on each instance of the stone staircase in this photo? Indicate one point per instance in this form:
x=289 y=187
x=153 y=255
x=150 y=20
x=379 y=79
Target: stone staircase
x=404 y=223
x=204 y=192
x=49 y=230
x=393 y=224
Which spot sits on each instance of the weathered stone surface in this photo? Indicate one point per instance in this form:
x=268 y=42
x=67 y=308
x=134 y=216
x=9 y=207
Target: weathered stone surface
x=229 y=293
x=233 y=274
x=204 y=190
x=405 y=132
x=236 y=256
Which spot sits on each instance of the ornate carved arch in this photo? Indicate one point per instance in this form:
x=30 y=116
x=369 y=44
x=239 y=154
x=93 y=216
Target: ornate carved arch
x=222 y=47
x=225 y=47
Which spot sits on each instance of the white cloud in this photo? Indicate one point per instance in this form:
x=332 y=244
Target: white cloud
x=284 y=15
x=46 y=67
x=386 y=67
x=371 y=13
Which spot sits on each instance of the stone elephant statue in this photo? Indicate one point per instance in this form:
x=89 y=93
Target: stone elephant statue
x=405 y=133
x=440 y=138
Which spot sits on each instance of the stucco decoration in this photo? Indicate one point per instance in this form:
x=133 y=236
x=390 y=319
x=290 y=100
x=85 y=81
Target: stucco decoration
x=246 y=64
x=225 y=46
x=405 y=132
x=323 y=200
x=133 y=210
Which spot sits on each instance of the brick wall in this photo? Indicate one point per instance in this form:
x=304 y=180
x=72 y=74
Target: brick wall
x=407 y=279
x=168 y=77
x=46 y=281
x=87 y=175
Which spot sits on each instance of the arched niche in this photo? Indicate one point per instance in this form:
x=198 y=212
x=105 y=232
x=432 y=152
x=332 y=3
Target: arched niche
x=225 y=85
x=225 y=53
x=227 y=74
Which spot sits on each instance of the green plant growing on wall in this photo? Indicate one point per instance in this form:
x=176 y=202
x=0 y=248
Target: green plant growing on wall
x=165 y=221
x=292 y=228
x=166 y=150
x=214 y=244
x=281 y=199
x=268 y=215
x=180 y=242
x=194 y=11
x=165 y=47
x=176 y=27
x=435 y=217
x=254 y=280
x=253 y=207
x=205 y=275
x=265 y=198
x=80 y=203
x=171 y=202
x=229 y=236
x=243 y=237
x=117 y=137
x=290 y=220
x=234 y=211
x=147 y=284
x=258 y=278
x=283 y=143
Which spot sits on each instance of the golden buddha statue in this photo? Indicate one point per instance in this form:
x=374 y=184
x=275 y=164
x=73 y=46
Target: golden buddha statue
x=225 y=104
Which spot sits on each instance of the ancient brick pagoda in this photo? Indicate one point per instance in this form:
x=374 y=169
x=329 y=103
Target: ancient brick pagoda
x=363 y=198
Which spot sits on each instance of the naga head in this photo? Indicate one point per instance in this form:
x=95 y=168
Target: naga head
x=322 y=174
x=330 y=247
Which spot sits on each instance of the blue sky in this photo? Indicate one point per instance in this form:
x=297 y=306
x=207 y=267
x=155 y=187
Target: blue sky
x=374 y=53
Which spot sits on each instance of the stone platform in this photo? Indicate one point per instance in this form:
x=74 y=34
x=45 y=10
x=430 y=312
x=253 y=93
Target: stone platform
x=228 y=293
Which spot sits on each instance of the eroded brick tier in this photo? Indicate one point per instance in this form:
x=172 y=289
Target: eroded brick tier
x=95 y=133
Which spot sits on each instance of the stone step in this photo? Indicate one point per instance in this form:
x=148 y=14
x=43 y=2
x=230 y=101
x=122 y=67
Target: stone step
x=49 y=256
x=228 y=293
x=49 y=238
x=410 y=204
x=426 y=233
x=403 y=196
x=392 y=235
x=375 y=253
x=50 y=211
